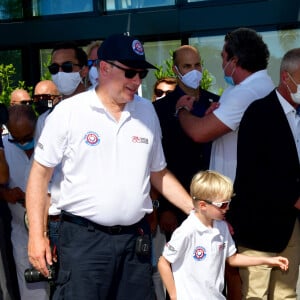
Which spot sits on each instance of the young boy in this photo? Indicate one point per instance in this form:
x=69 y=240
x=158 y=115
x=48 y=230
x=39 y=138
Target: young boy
x=193 y=261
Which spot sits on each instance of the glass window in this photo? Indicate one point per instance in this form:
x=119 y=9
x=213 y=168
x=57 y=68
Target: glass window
x=134 y=4
x=156 y=54
x=279 y=42
x=11 y=9
x=55 y=7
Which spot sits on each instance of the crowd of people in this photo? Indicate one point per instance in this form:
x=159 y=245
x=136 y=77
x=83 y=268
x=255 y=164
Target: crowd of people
x=193 y=195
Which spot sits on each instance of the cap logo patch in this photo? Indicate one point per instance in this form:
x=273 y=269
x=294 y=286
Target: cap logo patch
x=92 y=138
x=137 y=47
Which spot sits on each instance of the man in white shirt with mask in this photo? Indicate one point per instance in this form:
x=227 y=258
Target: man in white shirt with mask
x=68 y=68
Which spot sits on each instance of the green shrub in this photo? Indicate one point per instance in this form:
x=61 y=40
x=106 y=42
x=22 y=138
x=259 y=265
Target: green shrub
x=7 y=85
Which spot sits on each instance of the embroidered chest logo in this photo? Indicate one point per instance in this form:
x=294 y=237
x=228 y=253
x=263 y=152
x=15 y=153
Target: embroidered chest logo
x=199 y=253
x=140 y=140
x=92 y=138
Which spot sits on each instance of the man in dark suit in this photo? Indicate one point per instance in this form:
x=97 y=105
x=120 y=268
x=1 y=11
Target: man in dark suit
x=176 y=143
x=267 y=185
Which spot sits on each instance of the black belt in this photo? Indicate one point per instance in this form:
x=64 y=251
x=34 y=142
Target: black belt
x=54 y=218
x=117 y=229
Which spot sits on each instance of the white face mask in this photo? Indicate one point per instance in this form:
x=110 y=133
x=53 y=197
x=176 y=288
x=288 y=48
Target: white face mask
x=93 y=75
x=191 y=79
x=295 y=96
x=66 y=83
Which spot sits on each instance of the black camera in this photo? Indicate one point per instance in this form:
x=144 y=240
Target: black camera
x=143 y=245
x=33 y=275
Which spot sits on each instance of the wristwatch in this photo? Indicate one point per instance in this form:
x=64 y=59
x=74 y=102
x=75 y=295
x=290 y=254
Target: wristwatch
x=179 y=109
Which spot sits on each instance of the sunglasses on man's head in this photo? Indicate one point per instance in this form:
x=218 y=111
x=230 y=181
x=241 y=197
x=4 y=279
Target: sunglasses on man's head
x=221 y=205
x=66 y=67
x=92 y=62
x=159 y=92
x=130 y=73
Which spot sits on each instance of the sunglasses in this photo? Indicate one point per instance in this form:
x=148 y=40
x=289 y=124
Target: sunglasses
x=159 y=92
x=130 y=73
x=44 y=97
x=221 y=205
x=22 y=141
x=92 y=62
x=26 y=102
x=66 y=67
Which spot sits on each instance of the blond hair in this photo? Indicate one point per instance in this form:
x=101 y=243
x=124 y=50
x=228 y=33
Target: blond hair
x=211 y=185
x=91 y=46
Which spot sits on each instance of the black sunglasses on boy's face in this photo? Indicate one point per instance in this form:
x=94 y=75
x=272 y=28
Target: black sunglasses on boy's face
x=66 y=67
x=130 y=73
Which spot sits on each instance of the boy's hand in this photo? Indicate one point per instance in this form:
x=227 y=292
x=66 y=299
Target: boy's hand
x=281 y=262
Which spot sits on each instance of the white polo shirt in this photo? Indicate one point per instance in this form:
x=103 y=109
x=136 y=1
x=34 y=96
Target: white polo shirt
x=233 y=103
x=106 y=164
x=198 y=254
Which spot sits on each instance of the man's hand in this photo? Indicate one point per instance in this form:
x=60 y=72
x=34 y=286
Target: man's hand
x=186 y=101
x=39 y=254
x=213 y=106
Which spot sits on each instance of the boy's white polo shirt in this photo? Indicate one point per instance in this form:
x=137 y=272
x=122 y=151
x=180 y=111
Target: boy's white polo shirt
x=198 y=255
x=106 y=164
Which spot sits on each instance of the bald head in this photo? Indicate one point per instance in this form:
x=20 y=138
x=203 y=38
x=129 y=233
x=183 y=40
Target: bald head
x=186 y=50
x=46 y=95
x=19 y=95
x=46 y=87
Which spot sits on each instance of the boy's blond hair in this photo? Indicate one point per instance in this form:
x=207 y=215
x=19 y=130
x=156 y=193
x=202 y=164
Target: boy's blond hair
x=211 y=185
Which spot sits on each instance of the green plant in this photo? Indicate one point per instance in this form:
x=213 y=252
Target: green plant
x=166 y=70
x=46 y=75
x=7 y=84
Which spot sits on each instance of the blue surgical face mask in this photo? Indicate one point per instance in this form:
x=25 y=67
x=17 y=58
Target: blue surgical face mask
x=26 y=146
x=228 y=79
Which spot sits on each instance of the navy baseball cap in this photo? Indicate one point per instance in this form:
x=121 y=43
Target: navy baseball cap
x=125 y=49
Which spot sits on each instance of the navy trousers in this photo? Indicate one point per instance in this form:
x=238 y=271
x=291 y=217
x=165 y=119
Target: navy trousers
x=98 y=265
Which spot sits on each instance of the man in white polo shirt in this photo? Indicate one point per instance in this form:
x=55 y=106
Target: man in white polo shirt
x=109 y=143
x=244 y=62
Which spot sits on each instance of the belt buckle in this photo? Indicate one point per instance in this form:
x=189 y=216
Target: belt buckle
x=115 y=229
